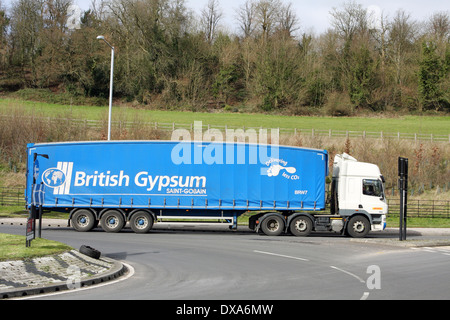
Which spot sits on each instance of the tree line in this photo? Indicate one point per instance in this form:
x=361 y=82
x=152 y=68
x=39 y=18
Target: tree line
x=167 y=56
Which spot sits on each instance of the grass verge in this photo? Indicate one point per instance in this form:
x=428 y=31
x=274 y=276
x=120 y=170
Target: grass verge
x=421 y=222
x=20 y=212
x=12 y=247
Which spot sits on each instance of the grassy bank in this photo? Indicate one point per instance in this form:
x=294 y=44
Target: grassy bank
x=406 y=124
x=12 y=247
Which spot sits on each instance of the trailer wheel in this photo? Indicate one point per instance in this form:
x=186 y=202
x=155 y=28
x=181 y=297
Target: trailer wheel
x=141 y=222
x=112 y=221
x=358 y=227
x=301 y=226
x=272 y=225
x=83 y=220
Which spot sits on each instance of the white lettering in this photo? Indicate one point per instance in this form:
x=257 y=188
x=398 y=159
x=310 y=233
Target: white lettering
x=164 y=184
x=193 y=310
x=103 y=180
x=141 y=182
x=122 y=177
x=79 y=179
x=152 y=182
x=144 y=180
x=198 y=179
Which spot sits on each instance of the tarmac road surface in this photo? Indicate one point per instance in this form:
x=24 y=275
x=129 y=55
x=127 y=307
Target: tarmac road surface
x=197 y=264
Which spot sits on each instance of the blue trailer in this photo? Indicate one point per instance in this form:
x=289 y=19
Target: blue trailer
x=145 y=182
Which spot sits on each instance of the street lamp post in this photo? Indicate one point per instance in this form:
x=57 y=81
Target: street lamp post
x=110 y=84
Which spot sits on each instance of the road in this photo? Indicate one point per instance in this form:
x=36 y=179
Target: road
x=239 y=265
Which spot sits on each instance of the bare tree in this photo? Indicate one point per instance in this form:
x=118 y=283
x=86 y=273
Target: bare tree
x=402 y=36
x=267 y=14
x=349 y=21
x=439 y=25
x=4 y=21
x=246 y=17
x=438 y=28
x=210 y=18
x=56 y=14
x=262 y=18
x=98 y=8
x=26 y=26
x=288 y=19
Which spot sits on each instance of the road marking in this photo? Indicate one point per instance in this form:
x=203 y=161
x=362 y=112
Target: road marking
x=442 y=250
x=280 y=255
x=349 y=273
x=365 y=296
x=38 y=296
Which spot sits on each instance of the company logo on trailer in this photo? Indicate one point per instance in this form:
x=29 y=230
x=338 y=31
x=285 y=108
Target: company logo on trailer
x=53 y=177
x=277 y=166
x=58 y=178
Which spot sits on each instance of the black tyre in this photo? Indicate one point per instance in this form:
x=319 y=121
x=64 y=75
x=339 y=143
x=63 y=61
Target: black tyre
x=301 y=226
x=112 y=221
x=83 y=220
x=141 y=222
x=358 y=227
x=90 y=252
x=272 y=225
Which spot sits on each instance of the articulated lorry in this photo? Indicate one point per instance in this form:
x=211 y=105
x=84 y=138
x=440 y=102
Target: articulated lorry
x=141 y=183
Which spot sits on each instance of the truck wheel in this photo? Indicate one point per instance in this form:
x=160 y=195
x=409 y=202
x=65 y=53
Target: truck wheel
x=272 y=225
x=301 y=226
x=83 y=220
x=358 y=227
x=141 y=222
x=112 y=221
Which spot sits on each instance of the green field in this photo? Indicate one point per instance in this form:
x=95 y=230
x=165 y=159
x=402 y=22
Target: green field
x=437 y=125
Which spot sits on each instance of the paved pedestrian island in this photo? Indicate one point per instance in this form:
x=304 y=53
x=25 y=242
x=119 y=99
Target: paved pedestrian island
x=69 y=270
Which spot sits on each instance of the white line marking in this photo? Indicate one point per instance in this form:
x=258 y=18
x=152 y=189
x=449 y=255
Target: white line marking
x=349 y=273
x=365 y=296
x=280 y=255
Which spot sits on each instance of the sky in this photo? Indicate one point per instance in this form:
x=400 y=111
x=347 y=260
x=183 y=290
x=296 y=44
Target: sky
x=314 y=14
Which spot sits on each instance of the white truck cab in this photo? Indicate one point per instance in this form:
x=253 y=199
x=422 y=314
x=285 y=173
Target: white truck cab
x=357 y=190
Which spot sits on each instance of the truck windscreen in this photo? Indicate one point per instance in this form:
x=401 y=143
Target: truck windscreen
x=373 y=187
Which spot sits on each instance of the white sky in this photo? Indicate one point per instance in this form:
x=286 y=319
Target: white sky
x=314 y=15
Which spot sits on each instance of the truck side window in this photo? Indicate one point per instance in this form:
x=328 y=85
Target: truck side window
x=372 y=188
